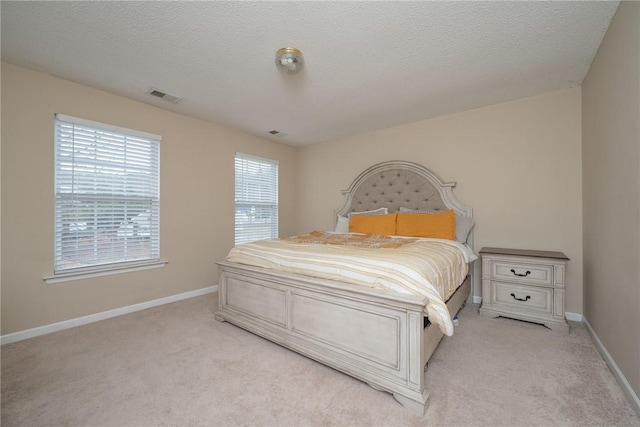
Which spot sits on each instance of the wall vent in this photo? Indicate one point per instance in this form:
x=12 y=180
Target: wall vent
x=166 y=96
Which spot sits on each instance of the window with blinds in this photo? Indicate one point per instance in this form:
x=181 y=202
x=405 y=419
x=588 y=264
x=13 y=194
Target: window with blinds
x=107 y=201
x=256 y=199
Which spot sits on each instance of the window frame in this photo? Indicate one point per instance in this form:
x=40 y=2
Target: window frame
x=141 y=187
x=257 y=201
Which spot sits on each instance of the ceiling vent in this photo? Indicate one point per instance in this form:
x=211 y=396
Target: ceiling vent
x=277 y=133
x=167 y=97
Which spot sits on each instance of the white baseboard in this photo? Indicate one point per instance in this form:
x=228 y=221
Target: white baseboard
x=576 y=317
x=71 y=323
x=477 y=300
x=622 y=380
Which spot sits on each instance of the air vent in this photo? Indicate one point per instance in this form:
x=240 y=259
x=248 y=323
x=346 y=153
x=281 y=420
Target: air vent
x=277 y=133
x=167 y=97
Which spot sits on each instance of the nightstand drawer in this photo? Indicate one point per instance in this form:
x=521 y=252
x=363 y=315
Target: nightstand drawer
x=515 y=271
x=522 y=297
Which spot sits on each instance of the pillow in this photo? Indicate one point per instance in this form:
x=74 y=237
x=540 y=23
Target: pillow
x=379 y=211
x=407 y=210
x=438 y=225
x=373 y=224
x=342 y=226
x=464 y=224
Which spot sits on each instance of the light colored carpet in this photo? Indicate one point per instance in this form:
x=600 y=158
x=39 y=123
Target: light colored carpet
x=176 y=366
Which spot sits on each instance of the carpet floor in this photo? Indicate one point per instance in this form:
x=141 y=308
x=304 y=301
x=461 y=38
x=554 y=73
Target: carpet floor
x=175 y=365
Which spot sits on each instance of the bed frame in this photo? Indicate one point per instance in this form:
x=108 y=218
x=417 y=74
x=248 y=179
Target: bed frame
x=379 y=337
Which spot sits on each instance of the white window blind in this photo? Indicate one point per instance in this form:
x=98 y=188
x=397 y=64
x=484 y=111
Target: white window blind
x=256 y=198
x=107 y=201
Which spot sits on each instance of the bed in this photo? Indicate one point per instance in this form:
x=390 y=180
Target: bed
x=382 y=338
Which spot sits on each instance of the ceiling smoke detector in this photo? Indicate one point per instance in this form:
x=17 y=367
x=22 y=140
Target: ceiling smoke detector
x=166 y=96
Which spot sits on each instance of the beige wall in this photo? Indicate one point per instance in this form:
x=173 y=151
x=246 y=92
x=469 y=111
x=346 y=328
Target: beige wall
x=611 y=192
x=517 y=164
x=197 y=207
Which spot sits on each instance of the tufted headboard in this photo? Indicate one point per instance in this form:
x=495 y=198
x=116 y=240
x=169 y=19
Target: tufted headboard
x=398 y=183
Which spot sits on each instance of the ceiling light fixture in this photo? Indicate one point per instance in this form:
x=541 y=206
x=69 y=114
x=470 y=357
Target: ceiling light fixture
x=289 y=60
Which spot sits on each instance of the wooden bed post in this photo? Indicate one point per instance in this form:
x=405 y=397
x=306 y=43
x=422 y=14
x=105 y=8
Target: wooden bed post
x=417 y=361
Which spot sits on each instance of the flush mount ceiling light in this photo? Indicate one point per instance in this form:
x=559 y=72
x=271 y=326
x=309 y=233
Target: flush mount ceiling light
x=289 y=60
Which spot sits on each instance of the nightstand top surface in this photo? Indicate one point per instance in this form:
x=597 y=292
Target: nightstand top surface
x=524 y=252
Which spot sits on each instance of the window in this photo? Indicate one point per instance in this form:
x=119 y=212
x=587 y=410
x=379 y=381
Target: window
x=256 y=199
x=107 y=201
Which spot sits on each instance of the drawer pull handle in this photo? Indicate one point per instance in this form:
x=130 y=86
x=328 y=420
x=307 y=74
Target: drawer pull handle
x=521 y=299
x=521 y=275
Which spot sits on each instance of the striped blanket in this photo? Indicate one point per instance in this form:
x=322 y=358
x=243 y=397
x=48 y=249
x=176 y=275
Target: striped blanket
x=432 y=268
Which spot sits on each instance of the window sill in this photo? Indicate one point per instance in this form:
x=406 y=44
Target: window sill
x=98 y=272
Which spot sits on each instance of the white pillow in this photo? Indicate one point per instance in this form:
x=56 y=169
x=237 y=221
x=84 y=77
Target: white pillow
x=407 y=210
x=379 y=211
x=342 y=225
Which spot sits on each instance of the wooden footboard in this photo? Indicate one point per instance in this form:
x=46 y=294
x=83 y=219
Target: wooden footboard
x=375 y=336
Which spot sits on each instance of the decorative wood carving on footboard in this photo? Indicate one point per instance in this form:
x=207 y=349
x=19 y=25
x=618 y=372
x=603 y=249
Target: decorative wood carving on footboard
x=375 y=336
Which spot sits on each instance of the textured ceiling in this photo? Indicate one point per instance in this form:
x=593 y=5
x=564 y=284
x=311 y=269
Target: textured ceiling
x=369 y=65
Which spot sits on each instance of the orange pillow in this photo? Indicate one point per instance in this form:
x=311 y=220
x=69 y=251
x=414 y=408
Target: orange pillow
x=373 y=224
x=438 y=225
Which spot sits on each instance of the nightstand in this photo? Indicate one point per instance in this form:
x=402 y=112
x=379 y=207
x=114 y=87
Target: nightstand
x=524 y=284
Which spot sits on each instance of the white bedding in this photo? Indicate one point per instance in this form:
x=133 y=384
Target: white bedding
x=432 y=268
